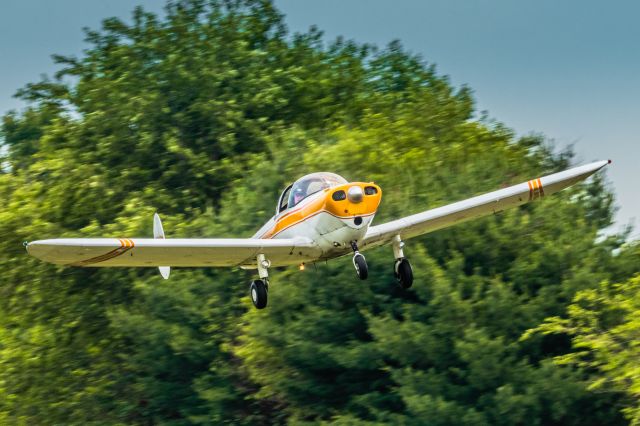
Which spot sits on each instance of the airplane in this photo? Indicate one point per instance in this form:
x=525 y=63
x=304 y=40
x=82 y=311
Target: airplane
x=319 y=217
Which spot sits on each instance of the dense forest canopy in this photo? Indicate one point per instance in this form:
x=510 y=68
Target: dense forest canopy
x=204 y=115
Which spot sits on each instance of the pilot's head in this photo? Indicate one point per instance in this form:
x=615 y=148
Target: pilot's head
x=298 y=196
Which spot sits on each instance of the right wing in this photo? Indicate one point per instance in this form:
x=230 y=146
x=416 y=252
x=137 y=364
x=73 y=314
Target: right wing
x=105 y=252
x=482 y=205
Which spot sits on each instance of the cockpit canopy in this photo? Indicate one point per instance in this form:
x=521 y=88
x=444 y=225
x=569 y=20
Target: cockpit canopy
x=307 y=185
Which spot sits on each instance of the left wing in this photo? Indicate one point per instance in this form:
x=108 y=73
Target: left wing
x=482 y=205
x=102 y=252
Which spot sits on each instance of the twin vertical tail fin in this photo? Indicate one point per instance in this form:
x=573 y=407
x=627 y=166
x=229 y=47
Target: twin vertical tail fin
x=158 y=232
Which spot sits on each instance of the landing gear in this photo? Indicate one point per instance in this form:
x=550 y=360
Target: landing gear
x=402 y=268
x=361 y=266
x=403 y=273
x=359 y=262
x=259 y=289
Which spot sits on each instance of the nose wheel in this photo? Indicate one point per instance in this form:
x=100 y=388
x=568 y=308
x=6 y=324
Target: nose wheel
x=359 y=262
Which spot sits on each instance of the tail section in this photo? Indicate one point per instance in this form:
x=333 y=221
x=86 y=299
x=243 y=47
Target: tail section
x=158 y=232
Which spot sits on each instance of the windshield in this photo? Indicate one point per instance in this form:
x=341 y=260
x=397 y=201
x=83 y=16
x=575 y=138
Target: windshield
x=310 y=184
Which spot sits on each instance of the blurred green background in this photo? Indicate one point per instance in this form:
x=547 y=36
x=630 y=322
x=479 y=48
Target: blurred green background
x=204 y=115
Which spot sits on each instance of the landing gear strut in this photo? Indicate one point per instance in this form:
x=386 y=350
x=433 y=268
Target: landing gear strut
x=259 y=289
x=402 y=268
x=359 y=262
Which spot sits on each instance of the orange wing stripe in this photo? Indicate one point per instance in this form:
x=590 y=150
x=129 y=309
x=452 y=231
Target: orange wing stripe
x=125 y=245
x=535 y=189
x=540 y=187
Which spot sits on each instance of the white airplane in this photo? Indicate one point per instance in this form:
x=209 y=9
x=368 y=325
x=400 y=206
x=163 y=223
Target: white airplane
x=319 y=217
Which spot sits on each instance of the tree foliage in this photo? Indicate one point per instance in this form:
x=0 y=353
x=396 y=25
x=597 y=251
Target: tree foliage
x=204 y=115
x=604 y=327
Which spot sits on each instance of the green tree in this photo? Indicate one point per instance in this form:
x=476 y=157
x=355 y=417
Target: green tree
x=604 y=326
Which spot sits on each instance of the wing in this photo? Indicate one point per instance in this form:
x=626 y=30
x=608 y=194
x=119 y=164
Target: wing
x=103 y=252
x=482 y=205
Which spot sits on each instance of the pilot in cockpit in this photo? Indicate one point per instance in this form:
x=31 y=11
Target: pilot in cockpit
x=298 y=195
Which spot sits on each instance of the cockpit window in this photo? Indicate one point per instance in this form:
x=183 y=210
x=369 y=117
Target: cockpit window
x=310 y=184
x=284 y=199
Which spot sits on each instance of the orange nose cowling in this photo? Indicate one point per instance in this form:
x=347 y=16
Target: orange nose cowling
x=341 y=205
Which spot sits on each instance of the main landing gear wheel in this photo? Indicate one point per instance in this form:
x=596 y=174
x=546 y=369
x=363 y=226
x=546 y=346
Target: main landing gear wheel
x=361 y=266
x=403 y=273
x=258 y=291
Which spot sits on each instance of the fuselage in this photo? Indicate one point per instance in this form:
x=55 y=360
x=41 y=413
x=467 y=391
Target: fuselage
x=332 y=217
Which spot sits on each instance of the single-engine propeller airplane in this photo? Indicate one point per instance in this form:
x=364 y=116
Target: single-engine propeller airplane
x=319 y=217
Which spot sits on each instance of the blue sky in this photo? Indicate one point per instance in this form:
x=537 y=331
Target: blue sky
x=569 y=69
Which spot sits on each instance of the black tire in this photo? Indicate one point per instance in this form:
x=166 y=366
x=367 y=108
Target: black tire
x=258 y=293
x=361 y=266
x=404 y=273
